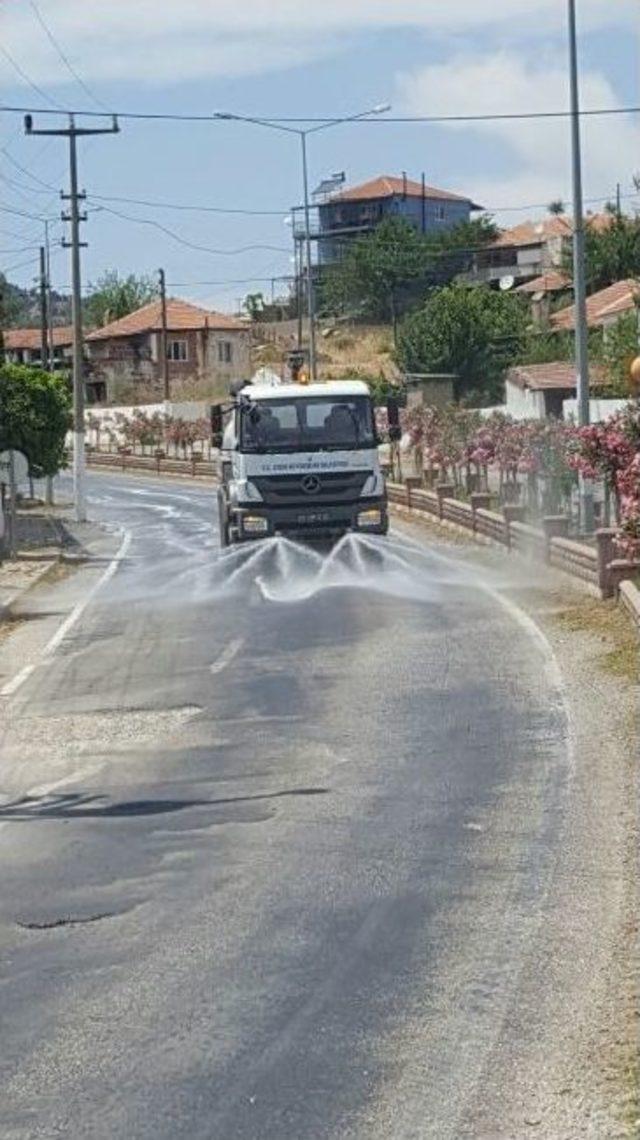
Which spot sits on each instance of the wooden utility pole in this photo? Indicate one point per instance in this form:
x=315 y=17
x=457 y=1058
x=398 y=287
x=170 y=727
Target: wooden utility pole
x=163 y=335
x=44 y=323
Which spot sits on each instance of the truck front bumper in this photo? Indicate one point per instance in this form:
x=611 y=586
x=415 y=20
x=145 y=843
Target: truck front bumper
x=306 y=521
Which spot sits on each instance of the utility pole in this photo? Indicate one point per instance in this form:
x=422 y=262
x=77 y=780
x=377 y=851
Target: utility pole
x=163 y=335
x=579 y=281
x=51 y=361
x=44 y=324
x=74 y=197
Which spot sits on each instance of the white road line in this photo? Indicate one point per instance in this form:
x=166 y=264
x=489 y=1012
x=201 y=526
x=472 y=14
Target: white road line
x=227 y=655
x=78 y=610
x=49 y=649
x=14 y=684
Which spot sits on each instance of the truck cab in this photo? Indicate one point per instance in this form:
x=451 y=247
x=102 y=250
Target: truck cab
x=300 y=460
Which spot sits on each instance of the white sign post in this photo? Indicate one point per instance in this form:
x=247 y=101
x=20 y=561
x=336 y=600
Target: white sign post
x=14 y=469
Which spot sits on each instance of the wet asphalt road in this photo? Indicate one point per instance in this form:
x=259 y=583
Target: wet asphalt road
x=276 y=836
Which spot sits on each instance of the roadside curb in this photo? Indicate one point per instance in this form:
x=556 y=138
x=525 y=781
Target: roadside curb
x=6 y=607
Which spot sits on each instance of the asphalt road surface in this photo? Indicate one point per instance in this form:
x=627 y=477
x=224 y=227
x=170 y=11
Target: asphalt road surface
x=276 y=835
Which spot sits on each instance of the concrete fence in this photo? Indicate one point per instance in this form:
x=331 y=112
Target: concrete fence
x=597 y=563
x=159 y=465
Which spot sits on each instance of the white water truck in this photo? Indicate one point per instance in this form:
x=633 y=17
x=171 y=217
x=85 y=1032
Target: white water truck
x=300 y=459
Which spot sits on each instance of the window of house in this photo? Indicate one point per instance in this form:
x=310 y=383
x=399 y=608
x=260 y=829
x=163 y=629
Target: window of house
x=177 y=350
x=440 y=213
x=225 y=352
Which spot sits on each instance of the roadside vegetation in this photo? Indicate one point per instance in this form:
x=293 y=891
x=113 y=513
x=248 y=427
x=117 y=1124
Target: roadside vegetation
x=35 y=416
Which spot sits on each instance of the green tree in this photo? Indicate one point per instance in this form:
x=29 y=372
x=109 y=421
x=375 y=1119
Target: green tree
x=254 y=305
x=620 y=345
x=114 y=296
x=389 y=271
x=612 y=252
x=35 y=416
x=473 y=332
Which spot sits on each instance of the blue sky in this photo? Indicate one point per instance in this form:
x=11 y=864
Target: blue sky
x=286 y=57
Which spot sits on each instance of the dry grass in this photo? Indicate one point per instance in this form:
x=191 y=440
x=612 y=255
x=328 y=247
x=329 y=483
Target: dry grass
x=607 y=622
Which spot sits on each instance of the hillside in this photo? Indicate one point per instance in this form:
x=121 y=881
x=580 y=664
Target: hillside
x=344 y=350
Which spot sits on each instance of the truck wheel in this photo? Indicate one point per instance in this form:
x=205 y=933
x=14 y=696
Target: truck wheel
x=223 y=521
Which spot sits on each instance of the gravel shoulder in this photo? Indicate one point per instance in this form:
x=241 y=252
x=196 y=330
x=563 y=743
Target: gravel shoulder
x=575 y=1073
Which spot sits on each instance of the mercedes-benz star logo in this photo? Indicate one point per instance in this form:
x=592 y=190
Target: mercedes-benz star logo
x=311 y=484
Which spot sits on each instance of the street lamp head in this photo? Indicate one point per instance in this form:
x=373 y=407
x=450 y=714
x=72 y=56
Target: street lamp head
x=381 y=108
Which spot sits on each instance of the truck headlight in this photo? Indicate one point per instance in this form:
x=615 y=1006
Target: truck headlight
x=371 y=517
x=254 y=524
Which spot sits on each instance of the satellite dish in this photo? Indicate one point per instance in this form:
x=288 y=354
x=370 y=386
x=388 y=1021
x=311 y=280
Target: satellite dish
x=507 y=283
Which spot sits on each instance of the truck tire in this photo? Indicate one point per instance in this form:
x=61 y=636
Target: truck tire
x=223 y=520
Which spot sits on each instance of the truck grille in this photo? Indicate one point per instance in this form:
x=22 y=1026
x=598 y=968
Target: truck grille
x=283 y=490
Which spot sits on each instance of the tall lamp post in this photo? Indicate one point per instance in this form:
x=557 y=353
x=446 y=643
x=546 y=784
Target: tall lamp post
x=302 y=134
x=579 y=281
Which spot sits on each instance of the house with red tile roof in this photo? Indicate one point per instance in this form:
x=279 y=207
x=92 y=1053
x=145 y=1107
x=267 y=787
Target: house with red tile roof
x=538 y=391
x=205 y=350
x=529 y=251
x=604 y=307
x=358 y=210
x=24 y=346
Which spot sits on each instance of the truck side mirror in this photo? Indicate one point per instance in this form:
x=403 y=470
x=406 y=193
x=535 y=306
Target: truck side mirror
x=393 y=419
x=216 y=425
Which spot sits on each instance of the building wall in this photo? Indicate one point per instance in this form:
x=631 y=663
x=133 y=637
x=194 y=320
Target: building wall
x=440 y=215
x=522 y=404
x=124 y=366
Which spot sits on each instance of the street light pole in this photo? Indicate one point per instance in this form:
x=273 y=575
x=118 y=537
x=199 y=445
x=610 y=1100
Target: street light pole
x=302 y=134
x=579 y=278
x=313 y=368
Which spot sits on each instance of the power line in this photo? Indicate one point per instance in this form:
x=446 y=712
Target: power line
x=185 y=241
x=167 y=116
x=29 y=173
x=189 y=207
x=69 y=66
x=26 y=214
x=34 y=86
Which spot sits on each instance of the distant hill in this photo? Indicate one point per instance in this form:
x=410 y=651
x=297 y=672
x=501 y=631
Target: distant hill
x=20 y=308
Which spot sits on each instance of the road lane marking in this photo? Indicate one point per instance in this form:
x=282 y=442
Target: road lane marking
x=78 y=610
x=12 y=686
x=226 y=657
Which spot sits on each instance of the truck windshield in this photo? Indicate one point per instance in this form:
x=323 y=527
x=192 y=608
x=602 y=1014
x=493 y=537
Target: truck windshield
x=314 y=424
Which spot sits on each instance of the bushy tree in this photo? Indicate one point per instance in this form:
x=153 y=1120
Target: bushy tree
x=390 y=270
x=473 y=332
x=619 y=349
x=35 y=416
x=612 y=252
x=114 y=296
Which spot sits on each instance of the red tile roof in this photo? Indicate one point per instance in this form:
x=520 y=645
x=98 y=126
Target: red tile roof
x=387 y=185
x=556 y=375
x=552 y=226
x=182 y=316
x=603 y=306
x=32 y=338
x=551 y=282
x=535 y=233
